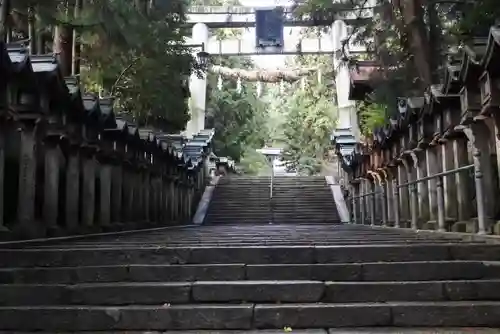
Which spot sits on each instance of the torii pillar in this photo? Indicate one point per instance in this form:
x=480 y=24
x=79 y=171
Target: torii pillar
x=197 y=86
x=347 y=119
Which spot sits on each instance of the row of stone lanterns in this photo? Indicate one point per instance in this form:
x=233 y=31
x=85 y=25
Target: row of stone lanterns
x=69 y=164
x=434 y=165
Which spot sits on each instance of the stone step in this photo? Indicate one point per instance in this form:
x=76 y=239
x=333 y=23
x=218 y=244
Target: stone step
x=160 y=293
x=229 y=243
x=353 y=272
x=366 y=330
x=248 y=316
x=251 y=255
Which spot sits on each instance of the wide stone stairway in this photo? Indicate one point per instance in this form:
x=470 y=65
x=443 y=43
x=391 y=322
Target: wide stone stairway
x=292 y=200
x=287 y=278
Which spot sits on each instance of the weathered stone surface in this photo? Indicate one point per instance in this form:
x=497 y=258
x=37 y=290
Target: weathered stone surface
x=15 y=258
x=58 y=318
x=321 y=315
x=475 y=252
x=187 y=317
x=36 y=275
x=317 y=272
x=181 y=273
x=97 y=318
x=32 y=294
x=378 y=253
x=92 y=257
x=100 y=274
x=130 y=293
x=447 y=314
x=473 y=290
x=421 y=330
x=382 y=291
x=422 y=271
x=253 y=255
x=258 y=291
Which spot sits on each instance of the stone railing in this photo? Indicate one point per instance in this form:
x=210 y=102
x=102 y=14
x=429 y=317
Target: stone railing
x=69 y=165
x=435 y=165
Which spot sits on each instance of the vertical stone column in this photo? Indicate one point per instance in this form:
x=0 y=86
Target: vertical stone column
x=138 y=217
x=372 y=201
x=460 y=159
x=88 y=197
x=479 y=135
x=116 y=193
x=166 y=198
x=395 y=190
x=390 y=199
x=2 y=179
x=362 y=207
x=432 y=169
x=173 y=199
x=198 y=86
x=403 y=194
x=105 y=194
x=146 y=193
x=423 y=196
x=27 y=182
x=73 y=189
x=51 y=186
x=450 y=184
x=128 y=194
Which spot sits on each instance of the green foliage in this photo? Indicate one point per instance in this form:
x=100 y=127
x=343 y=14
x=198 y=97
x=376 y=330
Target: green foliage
x=239 y=118
x=309 y=120
x=129 y=49
x=372 y=116
x=153 y=88
x=254 y=163
x=407 y=39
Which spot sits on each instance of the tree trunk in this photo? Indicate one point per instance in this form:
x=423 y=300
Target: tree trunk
x=434 y=41
x=413 y=16
x=142 y=6
x=75 y=68
x=63 y=44
x=4 y=17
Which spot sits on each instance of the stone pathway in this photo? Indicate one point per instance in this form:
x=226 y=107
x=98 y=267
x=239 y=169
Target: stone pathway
x=245 y=277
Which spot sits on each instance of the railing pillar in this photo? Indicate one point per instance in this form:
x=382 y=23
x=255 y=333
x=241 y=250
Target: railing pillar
x=354 y=210
x=105 y=194
x=88 y=198
x=432 y=169
x=117 y=193
x=414 y=205
x=397 y=219
x=478 y=178
x=440 y=205
x=362 y=202
x=403 y=193
x=51 y=186
x=385 y=202
x=372 y=202
x=450 y=186
x=479 y=135
x=460 y=158
x=423 y=196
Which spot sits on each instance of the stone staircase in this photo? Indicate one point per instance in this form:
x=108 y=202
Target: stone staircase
x=303 y=199
x=238 y=199
x=251 y=277
x=295 y=200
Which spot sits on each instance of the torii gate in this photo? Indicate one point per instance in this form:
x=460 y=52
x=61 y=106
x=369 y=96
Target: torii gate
x=228 y=17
